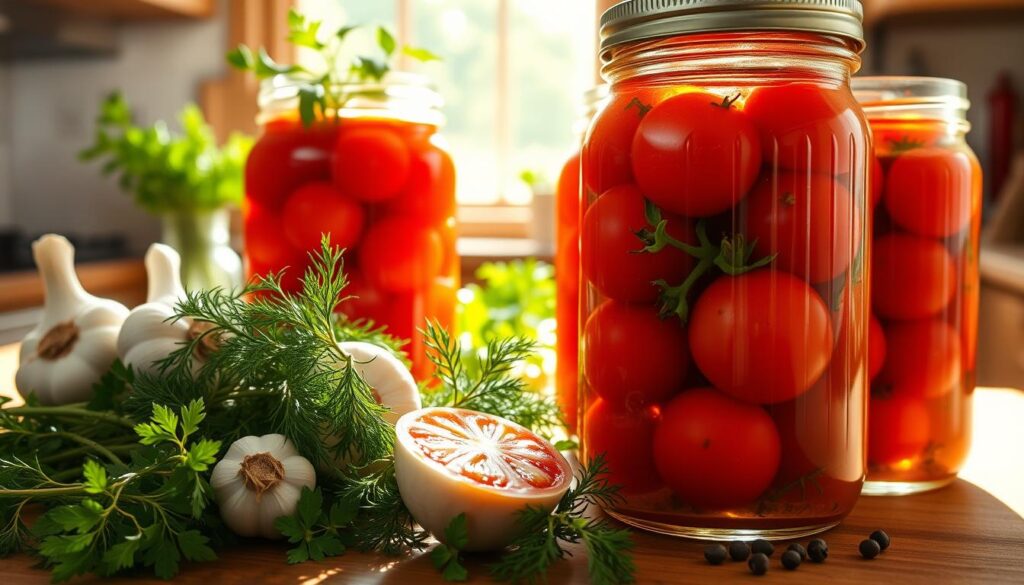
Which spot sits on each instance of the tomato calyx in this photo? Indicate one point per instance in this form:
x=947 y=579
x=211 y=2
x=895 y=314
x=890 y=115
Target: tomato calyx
x=731 y=255
x=727 y=101
x=641 y=107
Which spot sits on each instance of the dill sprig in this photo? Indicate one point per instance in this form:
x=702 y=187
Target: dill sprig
x=493 y=388
x=544 y=535
x=384 y=524
x=281 y=350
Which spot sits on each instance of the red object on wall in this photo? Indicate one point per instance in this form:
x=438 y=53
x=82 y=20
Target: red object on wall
x=1002 y=103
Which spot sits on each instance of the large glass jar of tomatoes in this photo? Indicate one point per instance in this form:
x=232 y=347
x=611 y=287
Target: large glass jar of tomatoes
x=567 y=267
x=724 y=265
x=926 y=189
x=374 y=175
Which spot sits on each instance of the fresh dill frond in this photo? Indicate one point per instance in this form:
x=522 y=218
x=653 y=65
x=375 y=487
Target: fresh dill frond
x=545 y=535
x=281 y=349
x=493 y=389
x=384 y=524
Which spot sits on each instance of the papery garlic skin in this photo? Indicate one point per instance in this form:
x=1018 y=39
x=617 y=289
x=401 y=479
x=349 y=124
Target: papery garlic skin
x=249 y=511
x=151 y=333
x=76 y=341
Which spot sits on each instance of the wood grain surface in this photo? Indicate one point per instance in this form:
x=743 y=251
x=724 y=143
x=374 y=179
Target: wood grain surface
x=959 y=534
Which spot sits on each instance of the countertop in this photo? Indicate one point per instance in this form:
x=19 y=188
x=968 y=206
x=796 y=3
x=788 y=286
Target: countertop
x=969 y=532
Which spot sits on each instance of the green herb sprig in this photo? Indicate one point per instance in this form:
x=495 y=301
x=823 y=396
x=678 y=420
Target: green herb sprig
x=147 y=513
x=165 y=171
x=545 y=535
x=321 y=90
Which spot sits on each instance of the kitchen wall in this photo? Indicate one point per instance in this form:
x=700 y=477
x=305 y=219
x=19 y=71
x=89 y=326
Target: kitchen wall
x=6 y=204
x=49 y=112
x=972 y=50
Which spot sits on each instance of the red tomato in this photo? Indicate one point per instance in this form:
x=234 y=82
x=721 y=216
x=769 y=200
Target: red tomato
x=911 y=277
x=609 y=248
x=696 y=155
x=429 y=192
x=762 y=337
x=401 y=254
x=606 y=153
x=632 y=357
x=928 y=191
x=922 y=359
x=567 y=319
x=876 y=347
x=714 y=451
x=568 y=192
x=808 y=221
x=625 y=438
x=265 y=243
x=806 y=126
x=821 y=428
x=367 y=301
x=898 y=429
x=318 y=208
x=371 y=163
x=877 y=180
x=285 y=157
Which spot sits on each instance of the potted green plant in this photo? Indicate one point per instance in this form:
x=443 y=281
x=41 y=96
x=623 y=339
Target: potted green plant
x=186 y=179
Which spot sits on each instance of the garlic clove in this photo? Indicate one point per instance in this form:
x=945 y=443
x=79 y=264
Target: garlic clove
x=64 y=383
x=298 y=469
x=163 y=273
x=278 y=502
x=75 y=341
x=278 y=444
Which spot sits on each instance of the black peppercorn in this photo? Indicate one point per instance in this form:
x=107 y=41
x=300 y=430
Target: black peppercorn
x=758 y=563
x=800 y=550
x=762 y=546
x=739 y=550
x=791 y=559
x=869 y=549
x=881 y=538
x=817 y=550
x=715 y=554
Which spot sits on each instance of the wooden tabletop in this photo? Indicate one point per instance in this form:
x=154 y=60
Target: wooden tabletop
x=960 y=534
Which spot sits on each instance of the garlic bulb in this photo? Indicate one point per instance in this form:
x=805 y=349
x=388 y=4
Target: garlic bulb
x=392 y=383
x=151 y=333
x=259 y=480
x=76 y=341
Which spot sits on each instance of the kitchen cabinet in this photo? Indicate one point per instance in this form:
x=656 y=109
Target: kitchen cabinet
x=130 y=10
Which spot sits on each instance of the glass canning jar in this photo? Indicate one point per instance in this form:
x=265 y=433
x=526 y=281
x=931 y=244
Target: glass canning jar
x=926 y=193
x=374 y=174
x=724 y=267
x=567 y=262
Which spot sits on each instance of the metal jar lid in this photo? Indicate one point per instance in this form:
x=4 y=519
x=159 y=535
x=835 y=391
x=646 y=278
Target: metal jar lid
x=636 y=20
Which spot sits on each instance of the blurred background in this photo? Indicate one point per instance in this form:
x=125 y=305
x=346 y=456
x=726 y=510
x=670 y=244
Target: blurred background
x=513 y=76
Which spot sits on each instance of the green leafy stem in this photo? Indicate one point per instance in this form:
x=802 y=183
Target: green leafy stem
x=731 y=255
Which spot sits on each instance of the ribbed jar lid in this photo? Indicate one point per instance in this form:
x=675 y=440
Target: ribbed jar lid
x=636 y=20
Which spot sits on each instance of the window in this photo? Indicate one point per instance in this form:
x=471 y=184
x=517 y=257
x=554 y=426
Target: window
x=513 y=75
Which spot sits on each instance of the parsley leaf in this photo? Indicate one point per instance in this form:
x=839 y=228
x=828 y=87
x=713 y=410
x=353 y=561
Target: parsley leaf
x=314 y=530
x=447 y=555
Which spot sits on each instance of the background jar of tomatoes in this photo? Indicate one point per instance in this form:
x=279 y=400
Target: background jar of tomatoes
x=567 y=267
x=373 y=173
x=926 y=193
x=724 y=267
